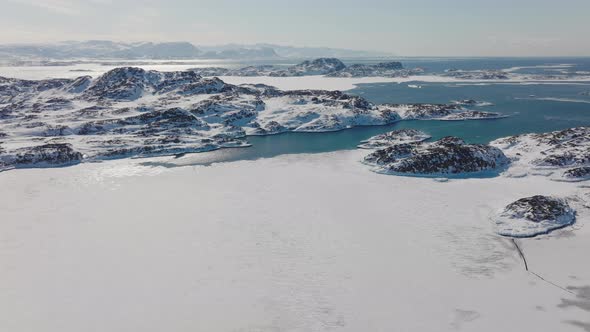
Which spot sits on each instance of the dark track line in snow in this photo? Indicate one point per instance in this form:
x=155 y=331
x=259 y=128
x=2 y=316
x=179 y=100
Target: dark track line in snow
x=521 y=253
x=552 y=283
x=526 y=266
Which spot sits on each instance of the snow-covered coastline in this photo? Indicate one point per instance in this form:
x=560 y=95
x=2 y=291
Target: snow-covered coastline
x=295 y=242
x=133 y=112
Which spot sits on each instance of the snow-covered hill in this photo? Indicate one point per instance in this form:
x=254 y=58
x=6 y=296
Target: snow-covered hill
x=563 y=155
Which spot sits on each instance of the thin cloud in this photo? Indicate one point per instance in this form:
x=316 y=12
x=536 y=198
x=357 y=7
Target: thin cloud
x=56 y=6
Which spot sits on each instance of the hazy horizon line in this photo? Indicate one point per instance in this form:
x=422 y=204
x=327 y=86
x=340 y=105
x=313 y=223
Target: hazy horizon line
x=270 y=44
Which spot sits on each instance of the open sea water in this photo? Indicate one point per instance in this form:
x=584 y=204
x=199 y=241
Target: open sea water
x=531 y=108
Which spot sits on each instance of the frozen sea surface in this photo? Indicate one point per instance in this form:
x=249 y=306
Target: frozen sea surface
x=292 y=243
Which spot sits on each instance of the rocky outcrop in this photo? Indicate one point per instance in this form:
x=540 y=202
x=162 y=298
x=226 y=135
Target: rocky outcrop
x=130 y=83
x=51 y=154
x=384 y=69
x=396 y=137
x=321 y=66
x=533 y=216
x=477 y=74
x=577 y=173
x=447 y=156
x=557 y=151
x=439 y=112
x=472 y=102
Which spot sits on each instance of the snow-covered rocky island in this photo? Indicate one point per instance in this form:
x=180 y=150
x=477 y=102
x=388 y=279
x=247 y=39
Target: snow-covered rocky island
x=562 y=155
x=447 y=156
x=133 y=112
x=395 y=137
x=531 y=216
x=393 y=70
x=330 y=67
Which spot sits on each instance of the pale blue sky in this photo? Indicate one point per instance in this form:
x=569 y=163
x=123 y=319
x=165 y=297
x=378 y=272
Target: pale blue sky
x=404 y=27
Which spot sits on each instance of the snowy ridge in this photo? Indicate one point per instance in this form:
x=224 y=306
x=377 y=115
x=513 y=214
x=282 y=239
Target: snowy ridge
x=134 y=112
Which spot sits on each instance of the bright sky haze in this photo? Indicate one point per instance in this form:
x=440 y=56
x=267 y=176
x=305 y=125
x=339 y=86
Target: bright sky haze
x=402 y=27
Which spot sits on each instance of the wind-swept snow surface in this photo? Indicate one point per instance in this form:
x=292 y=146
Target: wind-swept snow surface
x=293 y=243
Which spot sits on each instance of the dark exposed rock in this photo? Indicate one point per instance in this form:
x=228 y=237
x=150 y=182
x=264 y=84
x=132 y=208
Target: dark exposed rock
x=79 y=84
x=319 y=66
x=396 y=137
x=578 y=173
x=538 y=208
x=566 y=158
x=385 y=69
x=532 y=216
x=50 y=154
x=426 y=111
x=270 y=128
x=390 y=154
x=129 y=83
x=449 y=155
x=477 y=74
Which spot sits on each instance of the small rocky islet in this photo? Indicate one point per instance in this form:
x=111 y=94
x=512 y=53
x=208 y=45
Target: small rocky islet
x=330 y=67
x=395 y=137
x=535 y=215
x=449 y=156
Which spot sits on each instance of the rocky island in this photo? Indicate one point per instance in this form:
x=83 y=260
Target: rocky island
x=396 y=137
x=563 y=152
x=448 y=156
x=330 y=67
x=536 y=215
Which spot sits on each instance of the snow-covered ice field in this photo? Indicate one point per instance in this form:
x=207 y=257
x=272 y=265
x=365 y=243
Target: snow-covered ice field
x=292 y=243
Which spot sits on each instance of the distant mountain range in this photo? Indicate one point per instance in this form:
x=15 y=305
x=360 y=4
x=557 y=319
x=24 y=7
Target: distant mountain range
x=104 y=49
